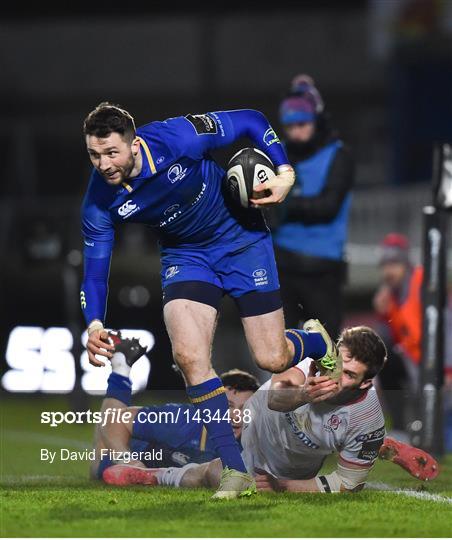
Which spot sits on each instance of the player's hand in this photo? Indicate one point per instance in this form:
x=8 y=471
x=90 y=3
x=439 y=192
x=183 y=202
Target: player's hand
x=267 y=482
x=316 y=389
x=279 y=187
x=98 y=344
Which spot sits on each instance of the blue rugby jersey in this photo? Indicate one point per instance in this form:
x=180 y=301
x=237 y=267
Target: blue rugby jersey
x=178 y=193
x=182 y=438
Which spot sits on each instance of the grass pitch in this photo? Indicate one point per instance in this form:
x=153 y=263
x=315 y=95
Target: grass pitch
x=57 y=500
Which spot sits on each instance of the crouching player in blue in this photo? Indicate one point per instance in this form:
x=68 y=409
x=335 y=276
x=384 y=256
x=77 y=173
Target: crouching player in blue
x=170 y=436
x=162 y=175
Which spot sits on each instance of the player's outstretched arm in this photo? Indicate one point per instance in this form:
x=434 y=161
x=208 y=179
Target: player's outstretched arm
x=267 y=482
x=93 y=298
x=196 y=135
x=291 y=389
x=98 y=234
x=346 y=478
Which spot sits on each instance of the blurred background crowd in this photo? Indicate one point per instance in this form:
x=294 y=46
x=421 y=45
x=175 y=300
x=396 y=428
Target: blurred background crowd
x=360 y=91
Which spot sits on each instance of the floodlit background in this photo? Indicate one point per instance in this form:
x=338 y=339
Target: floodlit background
x=384 y=69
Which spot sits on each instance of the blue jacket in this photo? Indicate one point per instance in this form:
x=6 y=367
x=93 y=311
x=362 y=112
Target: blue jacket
x=317 y=213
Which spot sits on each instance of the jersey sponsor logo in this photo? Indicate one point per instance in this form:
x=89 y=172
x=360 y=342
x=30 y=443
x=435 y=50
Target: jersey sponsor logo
x=260 y=277
x=83 y=299
x=372 y=436
x=171 y=209
x=299 y=433
x=160 y=159
x=371 y=444
x=203 y=124
x=332 y=423
x=171 y=272
x=302 y=420
x=200 y=195
x=127 y=209
x=177 y=211
x=170 y=218
x=89 y=244
x=370 y=449
x=270 y=137
x=260 y=272
x=176 y=172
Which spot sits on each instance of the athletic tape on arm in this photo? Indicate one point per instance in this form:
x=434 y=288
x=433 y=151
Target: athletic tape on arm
x=345 y=477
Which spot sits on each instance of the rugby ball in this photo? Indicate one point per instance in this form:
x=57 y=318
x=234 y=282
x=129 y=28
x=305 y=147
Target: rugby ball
x=247 y=169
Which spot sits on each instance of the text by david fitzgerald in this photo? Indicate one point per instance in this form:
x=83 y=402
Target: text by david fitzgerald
x=64 y=454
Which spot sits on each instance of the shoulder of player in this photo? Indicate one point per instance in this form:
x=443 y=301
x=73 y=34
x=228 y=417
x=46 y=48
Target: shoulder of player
x=199 y=124
x=162 y=137
x=158 y=127
x=365 y=411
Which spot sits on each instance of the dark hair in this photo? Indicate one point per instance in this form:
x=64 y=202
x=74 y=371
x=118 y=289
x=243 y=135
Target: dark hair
x=108 y=118
x=366 y=346
x=239 y=380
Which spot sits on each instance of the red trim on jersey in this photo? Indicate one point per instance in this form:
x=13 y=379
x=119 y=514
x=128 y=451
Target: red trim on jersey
x=361 y=465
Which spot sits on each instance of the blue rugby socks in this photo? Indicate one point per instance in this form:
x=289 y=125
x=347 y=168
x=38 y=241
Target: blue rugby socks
x=120 y=388
x=306 y=344
x=210 y=399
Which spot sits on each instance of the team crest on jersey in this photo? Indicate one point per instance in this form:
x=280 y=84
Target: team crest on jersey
x=176 y=173
x=332 y=423
x=270 y=137
x=203 y=124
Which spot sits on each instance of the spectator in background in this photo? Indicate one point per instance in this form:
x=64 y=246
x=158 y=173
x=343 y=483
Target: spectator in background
x=398 y=304
x=311 y=229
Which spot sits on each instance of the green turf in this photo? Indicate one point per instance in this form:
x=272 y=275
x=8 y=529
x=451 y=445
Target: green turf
x=57 y=500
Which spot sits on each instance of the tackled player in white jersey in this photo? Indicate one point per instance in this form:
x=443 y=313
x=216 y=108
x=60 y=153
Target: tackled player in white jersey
x=310 y=411
x=304 y=414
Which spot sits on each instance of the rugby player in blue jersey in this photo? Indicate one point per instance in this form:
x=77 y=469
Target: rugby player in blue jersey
x=163 y=176
x=166 y=435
